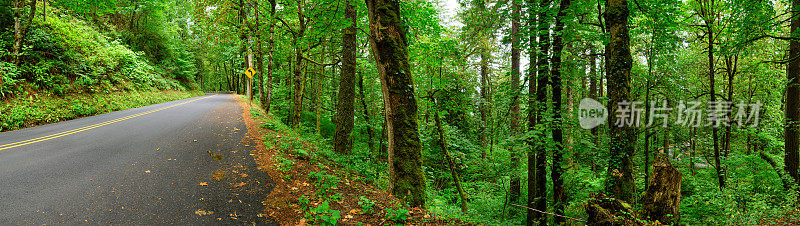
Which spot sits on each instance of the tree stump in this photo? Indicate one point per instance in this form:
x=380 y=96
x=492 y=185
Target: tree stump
x=662 y=199
x=604 y=210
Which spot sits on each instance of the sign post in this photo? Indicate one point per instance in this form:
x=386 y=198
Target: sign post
x=250 y=72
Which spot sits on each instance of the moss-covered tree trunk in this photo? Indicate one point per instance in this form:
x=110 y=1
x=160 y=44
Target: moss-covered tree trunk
x=342 y=141
x=266 y=99
x=299 y=76
x=390 y=50
x=618 y=70
x=19 y=28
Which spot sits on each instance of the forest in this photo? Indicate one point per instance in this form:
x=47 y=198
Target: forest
x=536 y=112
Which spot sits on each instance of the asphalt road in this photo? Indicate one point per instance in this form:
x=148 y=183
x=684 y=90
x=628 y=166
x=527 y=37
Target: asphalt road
x=149 y=165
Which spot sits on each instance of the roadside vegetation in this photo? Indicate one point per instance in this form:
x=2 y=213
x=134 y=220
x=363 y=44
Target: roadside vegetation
x=22 y=112
x=323 y=186
x=71 y=64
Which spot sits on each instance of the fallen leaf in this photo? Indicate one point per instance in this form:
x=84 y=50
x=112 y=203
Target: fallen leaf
x=218 y=175
x=90 y=179
x=203 y=183
x=355 y=211
x=243 y=175
x=239 y=184
x=147 y=171
x=203 y=212
x=348 y=216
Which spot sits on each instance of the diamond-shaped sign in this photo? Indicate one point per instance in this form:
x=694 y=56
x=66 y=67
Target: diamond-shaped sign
x=250 y=72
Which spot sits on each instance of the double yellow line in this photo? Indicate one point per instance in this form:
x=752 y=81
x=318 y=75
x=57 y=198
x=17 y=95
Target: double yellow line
x=78 y=130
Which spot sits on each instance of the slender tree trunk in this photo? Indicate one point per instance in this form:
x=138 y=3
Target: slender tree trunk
x=647 y=116
x=318 y=91
x=484 y=94
x=367 y=116
x=390 y=50
x=342 y=141
x=709 y=20
x=514 y=117
x=791 y=157
x=693 y=150
x=259 y=55
x=593 y=94
x=732 y=64
x=618 y=69
x=534 y=105
x=266 y=100
x=450 y=163
x=384 y=142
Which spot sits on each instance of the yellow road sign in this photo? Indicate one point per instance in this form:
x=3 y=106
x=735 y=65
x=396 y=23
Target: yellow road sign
x=250 y=72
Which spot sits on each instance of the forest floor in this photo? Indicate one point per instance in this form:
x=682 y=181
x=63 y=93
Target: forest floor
x=297 y=200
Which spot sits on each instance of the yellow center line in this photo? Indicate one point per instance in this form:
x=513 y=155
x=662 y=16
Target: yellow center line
x=78 y=130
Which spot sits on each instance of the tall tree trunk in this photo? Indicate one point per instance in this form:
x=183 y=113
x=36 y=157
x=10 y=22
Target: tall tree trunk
x=534 y=198
x=732 y=64
x=647 y=133
x=266 y=100
x=259 y=55
x=542 y=78
x=791 y=157
x=243 y=47
x=318 y=91
x=514 y=117
x=299 y=83
x=342 y=142
x=558 y=183
x=708 y=17
x=484 y=94
x=390 y=50
x=593 y=94
x=618 y=70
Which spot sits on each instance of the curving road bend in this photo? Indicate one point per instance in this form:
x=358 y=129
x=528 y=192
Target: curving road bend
x=180 y=162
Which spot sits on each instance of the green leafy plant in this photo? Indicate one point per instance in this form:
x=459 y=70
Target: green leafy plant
x=283 y=164
x=324 y=215
x=397 y=215
x=366 y=205
x=324 y=182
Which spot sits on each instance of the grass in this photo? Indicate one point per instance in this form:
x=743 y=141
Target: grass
x=33 y=110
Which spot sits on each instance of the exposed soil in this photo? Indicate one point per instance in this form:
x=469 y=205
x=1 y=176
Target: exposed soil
x=282 y=203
